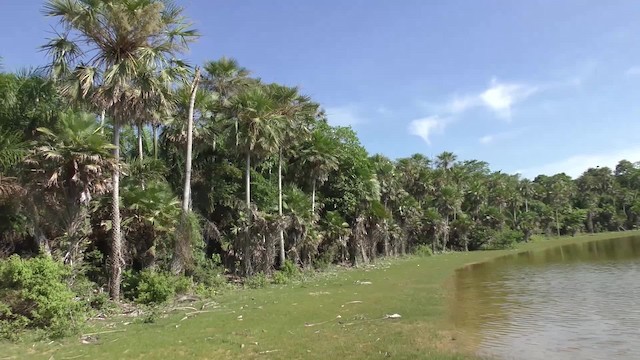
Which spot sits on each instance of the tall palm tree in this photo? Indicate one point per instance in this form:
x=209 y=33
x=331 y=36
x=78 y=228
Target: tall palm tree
x=182 y=252
x=111 y=41
x=295 y=114
x=319 y=156
x=258 y=134
x=73 y=162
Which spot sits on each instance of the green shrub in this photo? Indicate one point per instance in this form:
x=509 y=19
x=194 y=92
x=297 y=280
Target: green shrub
x=290 y=270
x=423 y=250
x=209 y=273
x=148 y=287
x=35 y=294
x=182 y=284
x=280 y=278
x=256 y=281
x=506 y=239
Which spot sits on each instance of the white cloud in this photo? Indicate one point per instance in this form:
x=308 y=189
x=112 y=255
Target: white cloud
x=633 y=71
x=505 y=135
x=383 y=110
x=487 y=139
x=426 y=127
x=461 y=104
x=348 y=115
x=500 y=97
x=575 y=165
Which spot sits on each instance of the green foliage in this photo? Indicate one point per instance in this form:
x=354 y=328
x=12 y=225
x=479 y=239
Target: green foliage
x=506 y=239
x=256 y=281
x=35 y=294
x=288 y=273
x=423 y=250
x=150 y=287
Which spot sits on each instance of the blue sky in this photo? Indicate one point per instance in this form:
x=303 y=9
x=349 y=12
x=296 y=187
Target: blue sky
x=537 y=86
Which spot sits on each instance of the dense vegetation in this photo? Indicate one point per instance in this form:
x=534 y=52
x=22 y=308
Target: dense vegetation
x=133 y=169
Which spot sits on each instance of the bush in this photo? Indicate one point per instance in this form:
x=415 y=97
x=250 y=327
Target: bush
x=423 y=250
x=209 y=273
x=506 y=239
x=148 y=287
x=256 y=281
x=280 y=278
x=35 y=295
x=290 y=270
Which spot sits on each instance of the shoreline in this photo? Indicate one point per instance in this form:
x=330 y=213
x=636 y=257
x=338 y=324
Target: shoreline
x=342 y=312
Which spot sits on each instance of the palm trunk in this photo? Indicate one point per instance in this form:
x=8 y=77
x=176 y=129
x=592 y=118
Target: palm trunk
x=526 y=205
x=183 y=242
x=282 y=255
x=313 y=198
x=557 y=223
x=155 y=141
x=186 y=197
x=116 y=240
x=102 y=114
x=246 y=256
x=247 y=179
x=140 y=147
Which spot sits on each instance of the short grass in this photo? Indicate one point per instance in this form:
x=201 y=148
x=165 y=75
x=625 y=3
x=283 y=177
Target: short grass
x=339 y=314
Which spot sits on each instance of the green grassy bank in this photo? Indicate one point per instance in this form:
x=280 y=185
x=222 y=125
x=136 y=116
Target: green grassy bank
x=340 y=314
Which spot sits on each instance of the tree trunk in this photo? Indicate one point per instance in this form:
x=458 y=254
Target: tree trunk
x=557 y=223
x=313 y=198
x=590 y=222
x=140 y=147
x=282 y=254
x=246 y=256
x=155 y=141
x=115 y=276
x=186 y=196
x=182 y=251
x=102 y=114
x=247 y=179
x=526 y=205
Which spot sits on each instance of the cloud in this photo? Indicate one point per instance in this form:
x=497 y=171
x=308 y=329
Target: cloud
x=633 y=71
x=499 y=98
x=461 y=104
x=505 y=135
x=575 y=165
x=425 y=127
x=383 y=110
x=348 y=115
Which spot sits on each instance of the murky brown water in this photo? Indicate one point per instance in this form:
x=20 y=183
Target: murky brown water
x=572 y=302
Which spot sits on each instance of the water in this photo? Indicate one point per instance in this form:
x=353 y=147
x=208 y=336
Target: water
x=577 y=301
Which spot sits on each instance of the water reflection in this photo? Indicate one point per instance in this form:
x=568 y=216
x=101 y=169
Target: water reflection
x=579 y=301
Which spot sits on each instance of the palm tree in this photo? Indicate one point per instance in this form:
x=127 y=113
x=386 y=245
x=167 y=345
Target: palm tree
x=12 y=151
x=112 y=41
x=527 y=191
x=319 y=157
x=258 y=134
x=73 y=162
x=295 y=115
x=183 y=241
x=445 y=160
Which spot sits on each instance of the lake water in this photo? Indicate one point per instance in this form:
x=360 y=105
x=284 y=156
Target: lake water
x=577 y=301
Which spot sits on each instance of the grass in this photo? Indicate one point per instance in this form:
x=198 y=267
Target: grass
x=339 y=314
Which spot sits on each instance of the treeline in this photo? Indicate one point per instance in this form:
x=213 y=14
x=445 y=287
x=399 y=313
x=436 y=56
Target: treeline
x=119 y=157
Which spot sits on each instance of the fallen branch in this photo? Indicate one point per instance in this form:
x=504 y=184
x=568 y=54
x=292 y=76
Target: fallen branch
x=103 y=332
x=198 y=312
x=267 y=352
x=185 y=308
